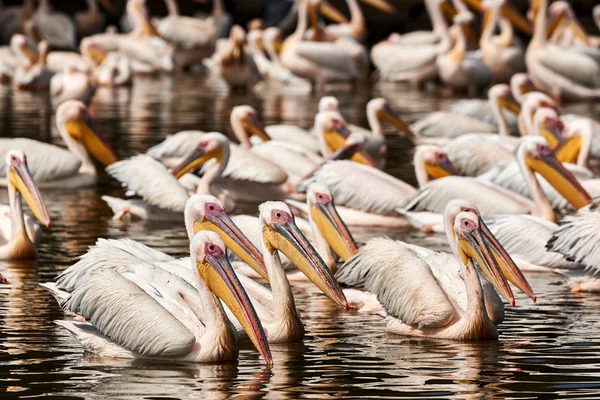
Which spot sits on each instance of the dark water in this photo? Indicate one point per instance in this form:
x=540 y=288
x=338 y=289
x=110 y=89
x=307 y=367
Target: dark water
x=548 y=349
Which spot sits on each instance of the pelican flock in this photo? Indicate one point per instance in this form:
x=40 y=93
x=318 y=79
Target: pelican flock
x=502 y=176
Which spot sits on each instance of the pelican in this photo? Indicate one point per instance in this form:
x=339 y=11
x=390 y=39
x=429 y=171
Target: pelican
x=56 y=28
x=422 y=291
x=19 y=234
x=31 y=72
x=234 y=64
x=272 y=42
x=141 y=312
x=319 y=62
x=501 y=54
x=563 y=72
x=356 y=28
x=194 y=39
x=71 y=84
x=58 y=61
x=533 y=155
x=54 y=167
x=115 y=70
x=458 y=68
x=92 y=20
x=464 y=117
x=380 y=194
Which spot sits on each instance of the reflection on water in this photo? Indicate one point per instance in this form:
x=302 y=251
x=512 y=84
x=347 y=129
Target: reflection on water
x=552 y=346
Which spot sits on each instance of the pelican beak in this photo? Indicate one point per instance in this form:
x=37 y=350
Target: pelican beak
x=554 y=23
x=234 y=239
x=474 y=246
x=552 y=131
x=220 y=277
x=441 y=169
x=390 y=116
x=331 y=13
x=30 y=54
x=528 y=87
x=20 y=178
x=253 y=126
x=567 y=150
x=448 y=10
x=83 y=130
x=509 y=12
x=335 y=139
x=277 y=46
x=333 y=229
x=96 y=54
x=509 y=103
x=506 y=263
x=288 y=239
x=579 y=33
x=198 y=157
x=559 y=177
x=381 y=5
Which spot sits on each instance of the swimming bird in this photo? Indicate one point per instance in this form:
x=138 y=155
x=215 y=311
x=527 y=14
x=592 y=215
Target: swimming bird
x=234 y=64
x=430 y=294
x=144 y=311
x=31 y=72
x=19 y=234
x=54 y=167
x=71 y=84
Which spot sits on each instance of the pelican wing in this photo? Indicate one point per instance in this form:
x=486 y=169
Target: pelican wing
x=293 y=134
x=56 y=84
x=46 y=162
x=403 y=282
x=525 y=236
x=474 y=154
x=575 y=66
x=126 y=314
x=491 y=200
x=108 y=253
x=294 y=160
x=578 y=238
x=360 y=187
x=327 y=55
x=482 y=111
x=446 y=124
x=392 y=58
x=151 y=181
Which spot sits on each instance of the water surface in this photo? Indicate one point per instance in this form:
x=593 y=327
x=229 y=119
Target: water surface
x=548 y=349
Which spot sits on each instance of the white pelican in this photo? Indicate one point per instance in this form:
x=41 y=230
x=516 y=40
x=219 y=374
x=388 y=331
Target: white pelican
x=115 y=70
x=356 y=28
x=57 y=61
x=71 y=84
x=56 y=28
x=319 y=62
x=31 y=72
x=380 y=195
x=194 y=38
x=92 y=20
x=501 y=53
x=457 y=67
x=141 y=312
x=563 y=72
x=422 y=291
x=19 y=234
x=234 y=64
x=533 y=155
x=52 y=166
x=475 y=153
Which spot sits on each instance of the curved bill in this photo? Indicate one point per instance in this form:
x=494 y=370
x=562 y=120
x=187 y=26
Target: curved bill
x=560 y=178
x=381 y=5
x=579 y=33
x=288 y=239
x=220 y=277
x=20 y=178
x=567 y=150
x=552 y=131
x=509 y=103
x=96 y=145
x=235 y=240
x=334 y=230
x=335 y=139
x=254 y=127
x=554 y=23
x=390 y=116
x=332 y=13
x=198 y=157
x=474 y=246
x=506 y=263
x=441 y=169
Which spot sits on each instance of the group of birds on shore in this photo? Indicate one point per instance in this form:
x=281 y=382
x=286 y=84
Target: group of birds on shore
x=492 y=174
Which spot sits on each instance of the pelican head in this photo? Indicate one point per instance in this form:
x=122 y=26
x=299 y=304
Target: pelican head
x=324 y=214
x=520 y=85
x=333 y=132
x=75 y=125
x=204 y=212
x=280 y=233
x=212 y=266
x=431 y=162
x=329 y=103
x=245 y=123
x=503 y=261
x=381 y=109
x=20 y=181
x=547 y=124
x=502 y=95
x=535 y=154
x=532 y=102
x=24 y=49
x=212 y=145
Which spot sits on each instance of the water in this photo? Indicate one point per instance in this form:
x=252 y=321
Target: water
x=550 y=349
